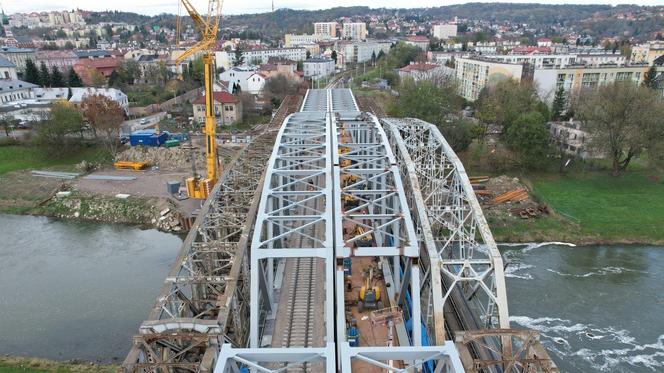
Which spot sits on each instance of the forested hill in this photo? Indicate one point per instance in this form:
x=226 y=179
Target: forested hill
x=595 y=20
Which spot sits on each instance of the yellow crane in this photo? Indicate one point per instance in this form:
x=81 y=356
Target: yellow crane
x=207 y=26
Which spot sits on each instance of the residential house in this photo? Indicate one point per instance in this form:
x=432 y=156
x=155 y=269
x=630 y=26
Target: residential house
x=79 y=94
x=227 y=108
x=238 y=75
x=425 y=71
x=318 y=67
x=86 y=68
x=421 y=42
x=572 y=139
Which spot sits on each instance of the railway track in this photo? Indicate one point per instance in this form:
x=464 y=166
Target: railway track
x=300 y=305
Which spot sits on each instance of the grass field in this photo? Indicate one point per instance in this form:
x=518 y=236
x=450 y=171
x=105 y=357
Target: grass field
x=32 y=365
x=21 y=157
x=625 y=208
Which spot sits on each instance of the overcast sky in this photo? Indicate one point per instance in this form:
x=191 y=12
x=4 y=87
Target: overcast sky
x=252 y=6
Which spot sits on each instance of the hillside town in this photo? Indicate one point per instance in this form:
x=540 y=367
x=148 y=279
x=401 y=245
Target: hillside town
x=540 y=126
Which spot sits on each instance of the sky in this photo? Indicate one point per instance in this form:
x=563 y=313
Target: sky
x=255 y=6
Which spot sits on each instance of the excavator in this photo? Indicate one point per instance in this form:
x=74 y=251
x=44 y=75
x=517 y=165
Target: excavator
x=207 y=26
x=369 y=296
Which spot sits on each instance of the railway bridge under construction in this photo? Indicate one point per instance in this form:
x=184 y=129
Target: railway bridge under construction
x=338 y=242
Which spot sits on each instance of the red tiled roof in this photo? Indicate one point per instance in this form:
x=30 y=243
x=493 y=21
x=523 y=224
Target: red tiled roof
x=220 y=97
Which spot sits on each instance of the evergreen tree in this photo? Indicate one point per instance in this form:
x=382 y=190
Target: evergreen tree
x=559 y=103
x=239 y=58
x=31 y=72
x=57 y=80
x=73 y=80
x=334 y=56
x=649 y=79
x=308 y=55
x=44 y=76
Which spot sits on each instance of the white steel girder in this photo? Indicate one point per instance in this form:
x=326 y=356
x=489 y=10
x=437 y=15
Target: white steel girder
x=467 y=255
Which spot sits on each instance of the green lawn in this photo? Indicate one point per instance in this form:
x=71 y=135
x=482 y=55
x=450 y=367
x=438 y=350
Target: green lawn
x=629 y=207
x=21 y=157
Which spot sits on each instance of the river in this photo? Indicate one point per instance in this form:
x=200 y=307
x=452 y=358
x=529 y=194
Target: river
x=72 y=290
x=598 y=308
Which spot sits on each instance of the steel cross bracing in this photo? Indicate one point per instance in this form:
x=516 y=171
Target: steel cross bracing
x=459 y=243
x=203 y=300
x=323 y=156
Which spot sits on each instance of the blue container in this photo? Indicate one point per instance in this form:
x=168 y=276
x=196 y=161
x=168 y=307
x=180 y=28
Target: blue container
x=353 y=337
x=147 y=138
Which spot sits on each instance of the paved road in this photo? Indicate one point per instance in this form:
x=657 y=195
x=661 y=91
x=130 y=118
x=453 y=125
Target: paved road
x=135 y=124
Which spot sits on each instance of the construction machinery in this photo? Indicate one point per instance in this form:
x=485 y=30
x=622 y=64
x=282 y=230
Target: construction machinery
x=369 y=296
x=207 y=26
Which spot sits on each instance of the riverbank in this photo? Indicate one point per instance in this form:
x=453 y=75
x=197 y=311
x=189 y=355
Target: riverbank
x=9 y=364
x=591 y=207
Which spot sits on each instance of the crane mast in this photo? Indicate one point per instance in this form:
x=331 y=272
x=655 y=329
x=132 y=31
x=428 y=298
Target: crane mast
x=207 y=26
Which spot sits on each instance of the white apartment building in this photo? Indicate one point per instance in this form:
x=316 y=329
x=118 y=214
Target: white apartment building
x=293 y=40
x=318 y=67
x=535 y=60
x=358 y=52
x=573 y=79
x=444 y=31
x=325 y=29
x=473 y=75
x=260 y=56
x=647 y=52
x=355 y=31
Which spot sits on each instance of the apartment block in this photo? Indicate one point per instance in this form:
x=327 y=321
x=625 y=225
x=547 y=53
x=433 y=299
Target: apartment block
x=574 y=79
x=325 y=29
x=355 y=30
x=474 y=74
x=444 y=31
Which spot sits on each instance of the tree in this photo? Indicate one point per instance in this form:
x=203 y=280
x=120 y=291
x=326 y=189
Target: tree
x=57 y=80
x=7 y=122
x=97 y=79
x=63 y=120
x=44 y=76
x=31 y=72
x=501 y=103
x=334 y=56
x=559 y=103
x=427 y=100
x=105 y=117
x=128 y=72
x=458 y=133
x=308 y=56
x=73 y=80
x=239 y=57
x=279 y=87
x=528 y=138
x=622 y=120
x=650 y=79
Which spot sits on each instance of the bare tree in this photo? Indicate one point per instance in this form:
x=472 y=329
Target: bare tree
x=623 y=120
x=105 y=117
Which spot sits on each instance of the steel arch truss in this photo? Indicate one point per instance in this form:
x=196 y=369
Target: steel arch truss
x=202 y=301
x=467 y=256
